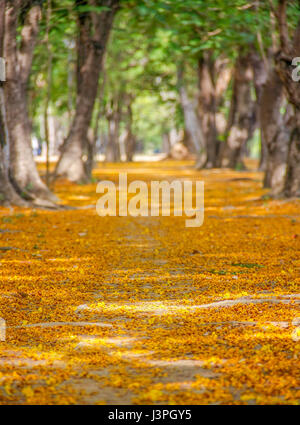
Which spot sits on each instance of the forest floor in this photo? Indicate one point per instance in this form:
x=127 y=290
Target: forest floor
x=121 y=310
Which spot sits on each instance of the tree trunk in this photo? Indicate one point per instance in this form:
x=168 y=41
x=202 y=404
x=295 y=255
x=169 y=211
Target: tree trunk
x=290 y=49
x=93 y=133
x=6 y=190
x=207 y=108
x=241 y=113
x=166 y=144
x=192 y=122
x=8 y=195
x=91 y=148
x=223 y=76
x=275 y=132
x=214 y=76
x=261 y=69
x=113 y=153
x=130 y=143
x=23 y=171
x=263 y=154
x=94 y=29
x=292 y=180
x=130 y=140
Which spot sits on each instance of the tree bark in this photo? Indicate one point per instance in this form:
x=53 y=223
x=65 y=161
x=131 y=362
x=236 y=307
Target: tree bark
x=192 y=122
x=223 y=76
x=214 y=76
x=93 y=133
x=94 y=30
x=113 y=116
x=207 y=108
x=261 y=69
x=275 y=132
x=23 y=171
x=8 y=195
x=240 y=123
x=213 y=79
x=90 y=152
x=292 y=180
x=130 y=143
x=290 y=49
x=130 y=140
x=166 y=145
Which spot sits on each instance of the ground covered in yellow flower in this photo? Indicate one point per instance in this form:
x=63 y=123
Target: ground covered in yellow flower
x=121 y=310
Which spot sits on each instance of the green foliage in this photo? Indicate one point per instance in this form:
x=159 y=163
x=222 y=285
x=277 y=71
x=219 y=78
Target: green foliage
x=149 y=39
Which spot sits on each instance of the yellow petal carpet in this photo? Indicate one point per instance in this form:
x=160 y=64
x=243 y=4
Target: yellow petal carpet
x=115 y=310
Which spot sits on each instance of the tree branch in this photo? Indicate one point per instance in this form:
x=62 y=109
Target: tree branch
x=283 y=26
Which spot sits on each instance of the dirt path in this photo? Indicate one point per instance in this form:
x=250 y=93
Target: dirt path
x=143 y=310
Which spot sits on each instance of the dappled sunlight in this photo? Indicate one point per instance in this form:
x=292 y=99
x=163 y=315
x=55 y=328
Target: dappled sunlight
x=145 y=310
x=149 y=204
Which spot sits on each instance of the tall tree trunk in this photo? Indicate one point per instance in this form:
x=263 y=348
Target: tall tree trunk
x=166 y=145
x=275 y=132
x=241 y=113
x=8 y=195
x=130 y=143
x=93 y=133
x=207 y=107
x=214 y=76
x=94 y=29
x=7 y=192
x=222 y=77
x=261 y=69
x=48 y=92
x=192 y=122
x=90 y=152
x=23 y=171
x=292 y=180
x=290 y=49
x=187 y=141
x=130 y=140
x=113 y=115
x=263 y=159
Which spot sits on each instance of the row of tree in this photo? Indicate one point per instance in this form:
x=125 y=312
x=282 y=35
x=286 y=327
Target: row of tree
x=214 y=71
x=20 y=26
